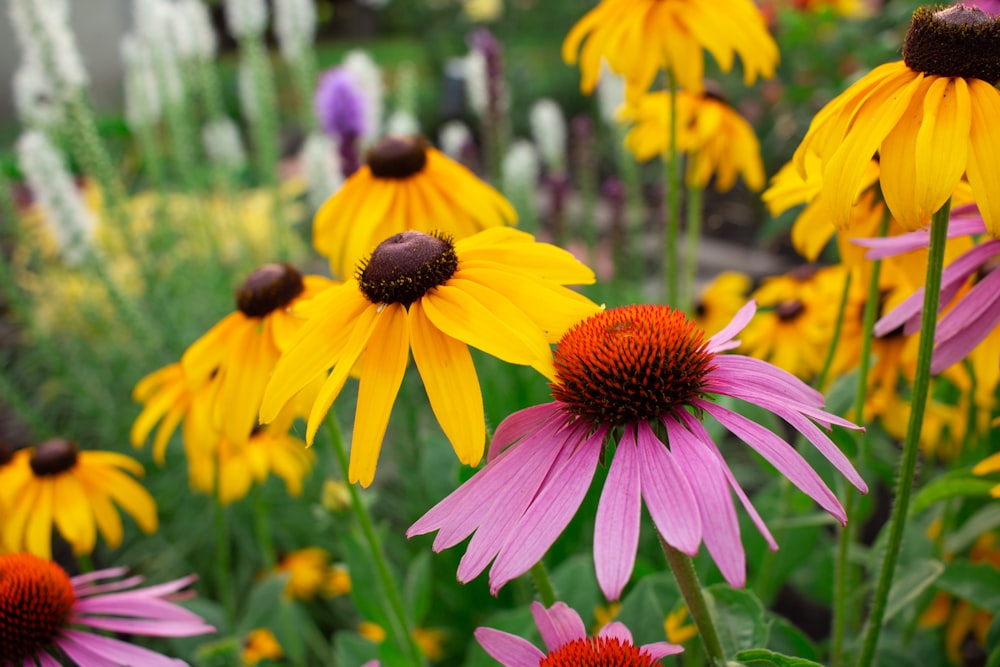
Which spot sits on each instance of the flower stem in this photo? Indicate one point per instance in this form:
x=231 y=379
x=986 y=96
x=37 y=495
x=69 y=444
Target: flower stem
x=908 y=458
x=264 y=540
x=670 y=273
x=398 y=611
x=692 y=235
x=543 y=584
x=687 y=581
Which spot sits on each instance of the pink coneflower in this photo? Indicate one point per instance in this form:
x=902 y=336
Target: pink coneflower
x=43 y=613
x=974 y=315
x=642 y=377
x=568 y=645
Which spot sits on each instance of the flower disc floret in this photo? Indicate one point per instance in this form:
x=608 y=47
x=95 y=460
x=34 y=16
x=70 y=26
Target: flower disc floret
x=54 y=457
x=269 y=288
x=628 y=364
x=406 y=266
x=598 y=652
x=398 y=157
x=959 y=41
x=36 y=600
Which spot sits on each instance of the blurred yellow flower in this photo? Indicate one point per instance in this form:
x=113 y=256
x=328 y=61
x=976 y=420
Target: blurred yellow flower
x=308 y=572
x=604 y=614
x=988 y=466
x=338 y=581
x=676 y=631
x=261 y=644
x=430 y=640
x=373 y=632
x=720 y=300
x=482 y=11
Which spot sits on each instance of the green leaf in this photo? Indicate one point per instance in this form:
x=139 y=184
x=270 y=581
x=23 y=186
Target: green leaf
x=788 y=639
x=265 y=597
x=366 y=588
x=739 y=617
x=976 y=583
x=353 y=649
x=910 y=583
x=417 y=590
x=764 y=656
x=950 y=485
x=643 y=612
x=985 y=520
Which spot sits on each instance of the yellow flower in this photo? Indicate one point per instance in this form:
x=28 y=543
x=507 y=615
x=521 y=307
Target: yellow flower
x=54 y=483
x=338 y=581
x=482 y=11
x=498 y=291
x=716 y=139
x=430 y=640
x=261 y=644
x=931 y=118
x=373 y=632
x=406 y=185
x=307 y=572
x=720 y=300
x=673 y=626
x=988 y=466
x=638 y=38
x=604 y=614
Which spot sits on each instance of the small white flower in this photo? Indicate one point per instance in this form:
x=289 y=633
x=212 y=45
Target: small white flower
x=548 y=128
x=477 y=92
x=222 y=142
x=610 y=94
x=246 y=18
x=321 y=164
x=520 y=170
x=143 y=98
x=199 y=40
x=35 y=100
x=42 y=29
x=369 y=79
x=295 y=27
x=454 y=137
x=402 y=123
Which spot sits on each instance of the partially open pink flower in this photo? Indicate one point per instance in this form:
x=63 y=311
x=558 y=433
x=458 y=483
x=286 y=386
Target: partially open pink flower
x=641 y=379
x=568 y=645
x=44 y=613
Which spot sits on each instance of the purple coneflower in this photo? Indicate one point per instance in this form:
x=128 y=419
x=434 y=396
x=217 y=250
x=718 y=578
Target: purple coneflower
x=974 y=315
x=568 y=645
x=43 y=613
x=643 y=377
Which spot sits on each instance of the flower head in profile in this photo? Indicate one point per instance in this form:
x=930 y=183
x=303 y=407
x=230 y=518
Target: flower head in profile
x=567 y=644
x=632 y=387
x=638 y=38
x=47 y=617
x=498 y=291
x=930 y=118
x=54 y=484
x=404 y=185
x=718 y=141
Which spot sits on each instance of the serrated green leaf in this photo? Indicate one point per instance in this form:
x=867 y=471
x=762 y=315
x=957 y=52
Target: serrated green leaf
x=910 y=583
x=740 y=618
x=976 y=583
x=766 y=657
x=958 y=483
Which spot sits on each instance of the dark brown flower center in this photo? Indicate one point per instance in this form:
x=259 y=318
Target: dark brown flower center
x=631 y=363
x=598 y=652
x=789 y=310
x=269 y=288
x=53 y=457
x=398 y=157
x=405 y=266
x=36 y=600
x=959 y=41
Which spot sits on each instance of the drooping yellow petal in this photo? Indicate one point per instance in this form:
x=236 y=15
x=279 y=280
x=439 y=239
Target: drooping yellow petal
x=90 y=458
x=108 y=521
x=984 y=147
x=382 y=373
x=202 y=358
x=72 y=514
x=988 y=465
x=17 y=514
x=38 y=532
x=131 y=496
x=451 y=383
x=249 y=361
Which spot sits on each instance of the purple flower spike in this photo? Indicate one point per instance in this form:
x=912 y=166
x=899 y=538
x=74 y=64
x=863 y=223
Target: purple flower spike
x=639 y=380
x=340 y=108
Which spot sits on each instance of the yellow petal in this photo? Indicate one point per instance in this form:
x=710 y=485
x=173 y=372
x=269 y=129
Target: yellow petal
x=202 y=358
x=72 y=515
x=91 y=458
x=130 y=496
x=38 y=533
x=17 y=515
x=382 y=373
x=452 y=386
x=988 y=465
x=984 y=147
x=249 y=361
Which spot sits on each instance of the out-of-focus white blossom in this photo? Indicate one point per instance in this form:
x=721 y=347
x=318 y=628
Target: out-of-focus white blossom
x=519 y=170
x=34 y=99
x=198 y=39
x=295 y=27
x=143 y=94
x=548 y=129
x=64 y=211
x=402 y=123
x=246 y=18
x=454 y=137
x=610 y=94
x=321 y=165
x=369 y=79
x=246 y=89
x=477 y=92
x=222 y=142
x=42 y=29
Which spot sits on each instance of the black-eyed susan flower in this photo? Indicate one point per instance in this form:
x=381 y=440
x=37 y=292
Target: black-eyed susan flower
x=307 y=570
x=49 y=618
x=930 y=117
x=720 y=300
x=717 y=141
x=56 y=484
x=632 y=387
x=638 y=38
x=567 y=644
x=405 y=185
x=498 y=291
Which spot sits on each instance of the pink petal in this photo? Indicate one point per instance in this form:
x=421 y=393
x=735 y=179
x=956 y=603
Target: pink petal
x=507 y=649
x=112 y=650
x=518 y=425
x=616 y=530
x=738 y=369
x=138 y=608
x=779 y=454
x=667 y=493
x=145 y=627
x=721 y=340
x=721 y=528
x=107 y=573
x=616 y=630
x=558 y=624
x=550 y=512
x=889 y=246
x=968 y=323
x=661 y=649
x=89 y=590
x=45 y=659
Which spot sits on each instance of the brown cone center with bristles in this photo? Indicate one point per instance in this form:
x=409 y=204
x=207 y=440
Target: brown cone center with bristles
x=269 y=288
x=632 y=363
x=53 y=457
x=598 y=652
x=406 y=266
x=36 y=601
x=957 y=41
x=397 y=157
x=789 y=310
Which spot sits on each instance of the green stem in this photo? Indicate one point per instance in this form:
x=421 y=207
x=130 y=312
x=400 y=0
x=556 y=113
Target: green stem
x=690 y=587
x=844 y=574
x=222 y=568
x=835 y=339
x=671 y=274
x=911 y=446
x=84 y=563
x=398 y=616
x=263 y=530
x=543 y=584
x=692 y=232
